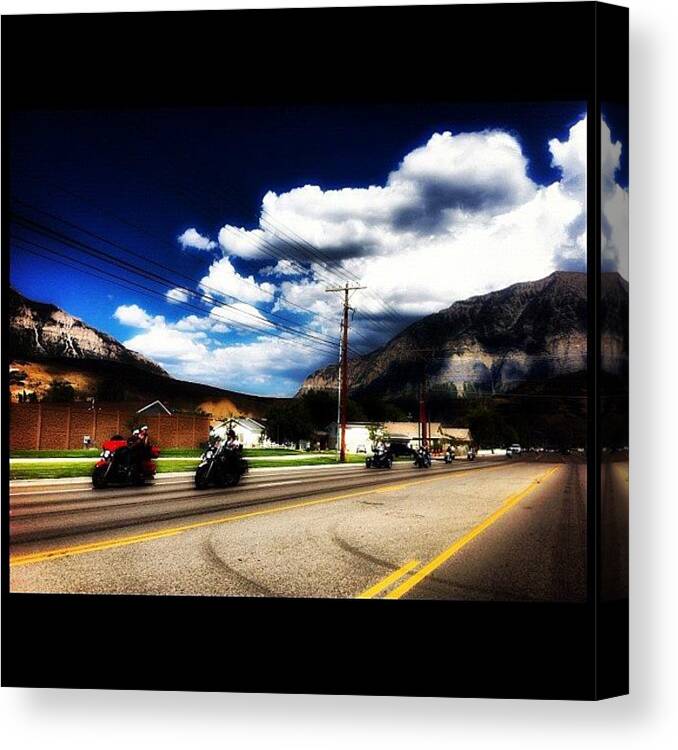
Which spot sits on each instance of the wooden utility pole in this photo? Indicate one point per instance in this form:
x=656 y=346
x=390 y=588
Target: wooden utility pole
x=343 y=368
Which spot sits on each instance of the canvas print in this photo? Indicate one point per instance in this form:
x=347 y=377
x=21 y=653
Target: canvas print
x=307 y=351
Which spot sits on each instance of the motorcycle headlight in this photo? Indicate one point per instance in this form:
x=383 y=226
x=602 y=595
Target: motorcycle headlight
x=209 y=454
x=106 y=453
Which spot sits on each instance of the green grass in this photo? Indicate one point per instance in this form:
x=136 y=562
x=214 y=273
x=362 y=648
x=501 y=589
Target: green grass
x=167 y=452
x=77 y=453
x=84 y=468
x=66 y=469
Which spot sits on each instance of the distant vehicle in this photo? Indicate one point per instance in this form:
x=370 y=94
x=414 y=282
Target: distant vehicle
x=470 y=455
x=381 y=459
x=449 y=455
x=361 y=449
x=514 y=450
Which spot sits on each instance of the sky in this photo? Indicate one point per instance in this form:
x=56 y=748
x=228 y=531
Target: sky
x=206 y=239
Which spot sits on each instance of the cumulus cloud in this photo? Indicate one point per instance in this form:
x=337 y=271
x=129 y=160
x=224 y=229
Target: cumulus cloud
x=187 y=348
x=283 y=267
x=136 y=317
x=192 y=238
x=458 y=216
x=177 y=295
x=223 y=279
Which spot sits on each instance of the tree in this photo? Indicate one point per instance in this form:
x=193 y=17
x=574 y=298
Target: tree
x=488 y=428
x=289 y=422
x=60 y=391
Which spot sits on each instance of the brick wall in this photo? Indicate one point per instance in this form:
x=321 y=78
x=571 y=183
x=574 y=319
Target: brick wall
x=46 y=426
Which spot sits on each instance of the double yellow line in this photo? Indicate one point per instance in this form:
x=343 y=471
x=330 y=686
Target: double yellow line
x=82 y=549
x=409 y=583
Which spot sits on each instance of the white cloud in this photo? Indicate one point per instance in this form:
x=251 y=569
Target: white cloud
x=240 y=315
x=223 y=279
x=169 y=346
x=459 y=216
x=192 y=238
x=177 y=295
x=283 y=267
x=136 y=317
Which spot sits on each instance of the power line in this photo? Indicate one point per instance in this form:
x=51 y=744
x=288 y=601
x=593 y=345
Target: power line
x=125 y=249
x=155 y=278
x=95 y=271
x=125 y=265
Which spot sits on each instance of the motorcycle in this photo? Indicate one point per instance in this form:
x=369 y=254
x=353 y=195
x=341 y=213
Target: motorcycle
x=381 y=459
x=221 y=466
x=122 y=463
x=449 y=456
x=470 y=456
x=422 y=458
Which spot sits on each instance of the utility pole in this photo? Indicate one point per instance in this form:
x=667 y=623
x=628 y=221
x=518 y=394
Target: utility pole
x=343 y=368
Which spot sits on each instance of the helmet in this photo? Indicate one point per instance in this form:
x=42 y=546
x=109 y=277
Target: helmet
x=135 y=432
x=231 y=434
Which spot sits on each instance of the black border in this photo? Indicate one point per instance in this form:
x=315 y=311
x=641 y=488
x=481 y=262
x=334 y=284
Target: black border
x=532 y=52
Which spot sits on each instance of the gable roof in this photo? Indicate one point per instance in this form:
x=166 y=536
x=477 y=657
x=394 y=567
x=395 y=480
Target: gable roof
x=157 y=403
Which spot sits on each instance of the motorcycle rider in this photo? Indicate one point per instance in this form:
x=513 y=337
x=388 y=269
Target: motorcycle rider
x=232 y=440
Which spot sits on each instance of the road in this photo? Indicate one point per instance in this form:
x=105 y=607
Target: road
x=491 y=530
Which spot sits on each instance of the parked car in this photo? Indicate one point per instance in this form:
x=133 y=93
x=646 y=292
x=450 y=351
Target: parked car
x=361 y=449
x=514 y=450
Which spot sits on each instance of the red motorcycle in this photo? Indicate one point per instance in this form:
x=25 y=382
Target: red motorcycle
x=124 y=463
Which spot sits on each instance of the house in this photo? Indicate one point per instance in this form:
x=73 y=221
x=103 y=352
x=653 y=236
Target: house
x=250 y=433
x=407 y=434
x=357 y=437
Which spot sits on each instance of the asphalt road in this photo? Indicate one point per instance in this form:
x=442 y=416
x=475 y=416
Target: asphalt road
x=502 y=530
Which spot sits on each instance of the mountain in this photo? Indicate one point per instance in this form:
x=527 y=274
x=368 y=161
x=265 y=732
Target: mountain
x=38 y=330
x=528 y=332
x=46 y=344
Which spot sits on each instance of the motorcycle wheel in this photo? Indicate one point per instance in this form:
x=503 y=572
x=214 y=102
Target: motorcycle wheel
x=201 y=479
x=368 y=463
x=389 y=463
x=99 y=481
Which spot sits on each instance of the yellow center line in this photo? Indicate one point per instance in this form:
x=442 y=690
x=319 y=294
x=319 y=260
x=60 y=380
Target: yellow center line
x=452 y=550
x=386 y=582
x=81 y=549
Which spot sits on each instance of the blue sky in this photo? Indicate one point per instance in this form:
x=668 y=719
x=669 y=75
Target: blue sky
x=402 y=198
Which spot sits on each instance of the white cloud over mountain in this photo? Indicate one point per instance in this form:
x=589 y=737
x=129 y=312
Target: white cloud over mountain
x=459 y=216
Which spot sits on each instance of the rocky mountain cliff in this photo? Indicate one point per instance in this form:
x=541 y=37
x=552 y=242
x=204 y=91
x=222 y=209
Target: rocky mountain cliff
x=48 y=344
x=39 y=331
x=495 y=342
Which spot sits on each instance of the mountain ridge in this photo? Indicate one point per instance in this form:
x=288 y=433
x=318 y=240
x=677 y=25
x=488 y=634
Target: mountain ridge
x=529 y=331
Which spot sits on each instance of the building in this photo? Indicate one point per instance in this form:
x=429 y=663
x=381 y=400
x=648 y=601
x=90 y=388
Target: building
x=249 y=432
x=407 y=434
x=154 y=409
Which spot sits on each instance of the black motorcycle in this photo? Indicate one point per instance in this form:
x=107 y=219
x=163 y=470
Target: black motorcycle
x=422 y=458
x=449 y=455
x=471 y=455
x=381 y=459
x=221 y=466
